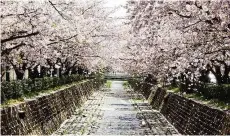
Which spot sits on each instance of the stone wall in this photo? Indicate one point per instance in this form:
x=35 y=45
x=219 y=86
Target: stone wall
x=193 y=118
x=157 y=98
x=188 y=116
x=44 y=114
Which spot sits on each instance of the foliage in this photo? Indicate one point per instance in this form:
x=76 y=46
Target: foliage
x=213 y=94
x=212 y=102
x=108 y=83
x=212 y=91
x=139 y=86
x=125 y=84
x=51 y=33
x=174 y=89
x=135 y=84
x=179 y=39
x=208 y=91
x=12 y=101
x=172 y=40
x=19 y=88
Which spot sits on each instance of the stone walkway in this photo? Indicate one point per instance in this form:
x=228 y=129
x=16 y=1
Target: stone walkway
x=116 y=111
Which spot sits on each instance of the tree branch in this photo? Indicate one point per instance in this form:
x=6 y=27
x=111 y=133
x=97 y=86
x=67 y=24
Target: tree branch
x=7 y=51
x=90 y=56
x=192 y=24
x=90 y=7
x=62 y=40
x=103 y=35
x=227 y=48
x=18 y=37
x=179 y=14
x=61 y=14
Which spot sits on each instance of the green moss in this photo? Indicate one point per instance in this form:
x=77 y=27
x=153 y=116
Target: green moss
x=125 y=84
x=12 y=101
x=108 y=83
x=176 y=89
x=138 y=100
x=65 y=132
x=82 y=131
x=173 y=89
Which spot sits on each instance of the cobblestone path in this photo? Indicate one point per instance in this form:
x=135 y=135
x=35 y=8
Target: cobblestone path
x=116 y=111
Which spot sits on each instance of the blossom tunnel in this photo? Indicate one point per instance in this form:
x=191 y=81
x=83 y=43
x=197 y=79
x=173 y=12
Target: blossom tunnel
x=169 y=52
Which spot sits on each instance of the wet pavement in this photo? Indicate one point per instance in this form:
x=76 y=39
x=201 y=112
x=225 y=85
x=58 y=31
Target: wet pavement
x=116 y=111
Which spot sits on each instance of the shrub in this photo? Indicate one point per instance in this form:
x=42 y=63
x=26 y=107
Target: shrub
x=27 y=85
x=11 y=90
x=62 y=80
x=212 y=91
x=6 y=91
x=125 y=84
x=18 y=88
x=47 y=83
x=37 y=84
x=55 y=81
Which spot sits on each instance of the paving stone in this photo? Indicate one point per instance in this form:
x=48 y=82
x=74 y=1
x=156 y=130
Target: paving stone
x=116 y=111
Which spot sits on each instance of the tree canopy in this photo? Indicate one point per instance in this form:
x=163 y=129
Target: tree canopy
x=167 y=39
x=172 y=38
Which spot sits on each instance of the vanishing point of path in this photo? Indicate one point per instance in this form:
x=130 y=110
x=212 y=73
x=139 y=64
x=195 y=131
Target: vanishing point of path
x=116 y=111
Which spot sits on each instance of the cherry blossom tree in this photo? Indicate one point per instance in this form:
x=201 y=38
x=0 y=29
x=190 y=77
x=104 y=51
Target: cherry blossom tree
x=48 y=33
x=168 y=39
x=180 y=38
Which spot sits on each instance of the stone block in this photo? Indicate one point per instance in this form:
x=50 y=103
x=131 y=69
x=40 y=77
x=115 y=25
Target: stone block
x=44 y=114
